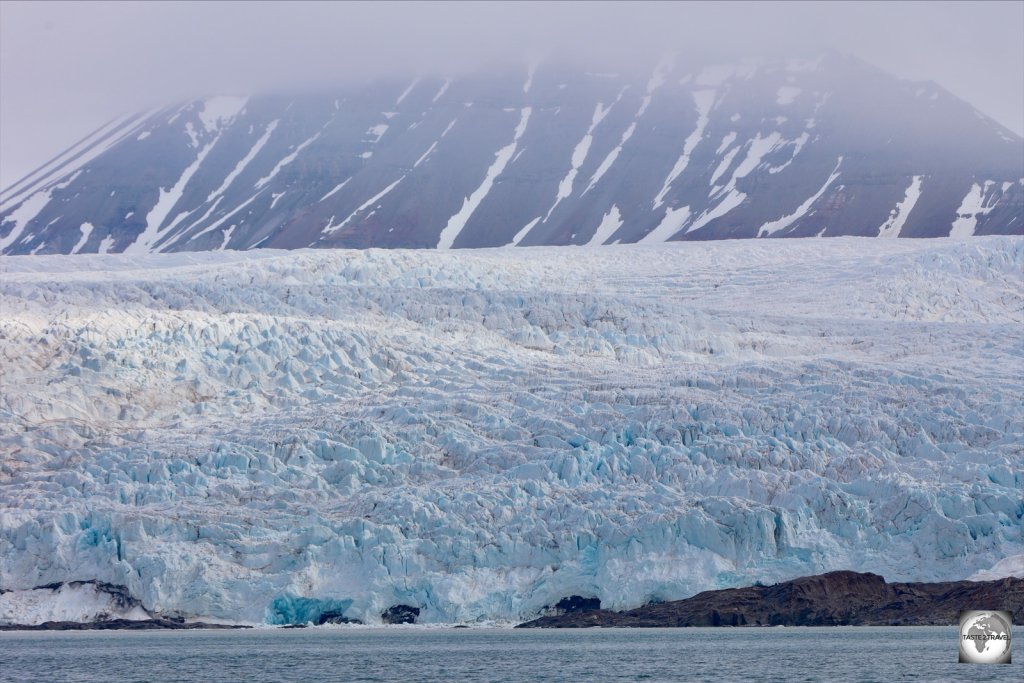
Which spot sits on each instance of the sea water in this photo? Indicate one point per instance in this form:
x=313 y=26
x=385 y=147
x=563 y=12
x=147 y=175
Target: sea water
x=496 y=655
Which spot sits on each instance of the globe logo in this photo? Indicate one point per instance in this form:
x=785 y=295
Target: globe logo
x=985 y=637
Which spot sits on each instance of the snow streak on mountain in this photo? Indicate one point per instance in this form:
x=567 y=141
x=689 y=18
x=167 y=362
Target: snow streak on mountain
x=550 y=156
x=276 y=437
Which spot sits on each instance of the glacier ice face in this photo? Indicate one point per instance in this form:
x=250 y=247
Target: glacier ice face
x=262 y=436
x=74 y=601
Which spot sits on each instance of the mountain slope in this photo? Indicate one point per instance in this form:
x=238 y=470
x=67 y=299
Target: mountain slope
x=532 y=157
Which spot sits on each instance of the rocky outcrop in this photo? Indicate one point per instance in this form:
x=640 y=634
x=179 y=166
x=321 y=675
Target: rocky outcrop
x=400 y=614
x=576 y=603
x=335 y=618
x=840 y=598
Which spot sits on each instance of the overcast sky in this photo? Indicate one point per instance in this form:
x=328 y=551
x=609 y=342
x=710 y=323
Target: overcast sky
x=66 y=68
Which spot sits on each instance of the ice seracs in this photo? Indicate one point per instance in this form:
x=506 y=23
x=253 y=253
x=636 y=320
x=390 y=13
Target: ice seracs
x=260 y=436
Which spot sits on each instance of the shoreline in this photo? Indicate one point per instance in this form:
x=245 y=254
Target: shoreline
x=834 y=599
x=840 y=598
x=416 y=628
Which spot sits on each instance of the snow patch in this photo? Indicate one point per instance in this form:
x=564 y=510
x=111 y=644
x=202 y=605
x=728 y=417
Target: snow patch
x=772 y=227
x=671 y=223
x=531 y=69
x=971 y=207
x=727 y=204
x=377 y=132
x=457 y=222
x=523 y=233
x=220 y=110
x=22 y=216
x=656 y=80
x=193 y=135
x=726 y=141
x=723 y=166
x=227 y=237
x=219 y=222
x=444 y=88
x=405 y=93
x=611 y=157
x=898 y=217
x=285 y=161
x=731 y=197
x=423 y=157
x=362 y=207
x=759 y=147
x=579 y=155
x=244 y=162
x=798 y=145
x=336 y=189
x=166 y=201
x=704 y=100
x=86 y=229
x=611 y=222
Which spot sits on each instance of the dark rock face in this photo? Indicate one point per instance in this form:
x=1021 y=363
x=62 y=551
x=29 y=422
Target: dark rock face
x=400 y=614
x=685 y=151
x=833 y=599
x=335 y=618
x=576 y=603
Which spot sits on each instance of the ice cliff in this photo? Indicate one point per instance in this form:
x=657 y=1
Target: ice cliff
x=270 y=436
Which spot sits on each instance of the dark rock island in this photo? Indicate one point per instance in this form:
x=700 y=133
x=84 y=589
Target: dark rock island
x=841 y=598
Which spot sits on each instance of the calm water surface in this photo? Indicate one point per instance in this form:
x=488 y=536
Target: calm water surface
x=496 y=655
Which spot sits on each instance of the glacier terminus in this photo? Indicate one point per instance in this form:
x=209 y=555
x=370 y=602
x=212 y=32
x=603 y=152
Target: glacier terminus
x=280 y=436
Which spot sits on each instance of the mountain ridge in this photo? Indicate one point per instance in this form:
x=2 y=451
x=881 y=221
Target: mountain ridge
x=548 y=156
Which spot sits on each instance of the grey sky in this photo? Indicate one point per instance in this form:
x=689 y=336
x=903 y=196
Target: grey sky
x=65 y=68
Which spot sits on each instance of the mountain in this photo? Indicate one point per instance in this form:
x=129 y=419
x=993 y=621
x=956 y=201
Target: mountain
x=541 y=156
x=283 y=437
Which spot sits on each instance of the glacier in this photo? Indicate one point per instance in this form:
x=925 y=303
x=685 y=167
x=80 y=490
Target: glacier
x=269 y=436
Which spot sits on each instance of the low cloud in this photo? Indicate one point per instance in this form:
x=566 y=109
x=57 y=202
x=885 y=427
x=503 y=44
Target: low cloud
x=66 y=67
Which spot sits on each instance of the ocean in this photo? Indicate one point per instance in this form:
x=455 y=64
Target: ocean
x=495 y=655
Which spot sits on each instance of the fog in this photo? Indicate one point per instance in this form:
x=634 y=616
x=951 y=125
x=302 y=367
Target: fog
x=65 y=68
